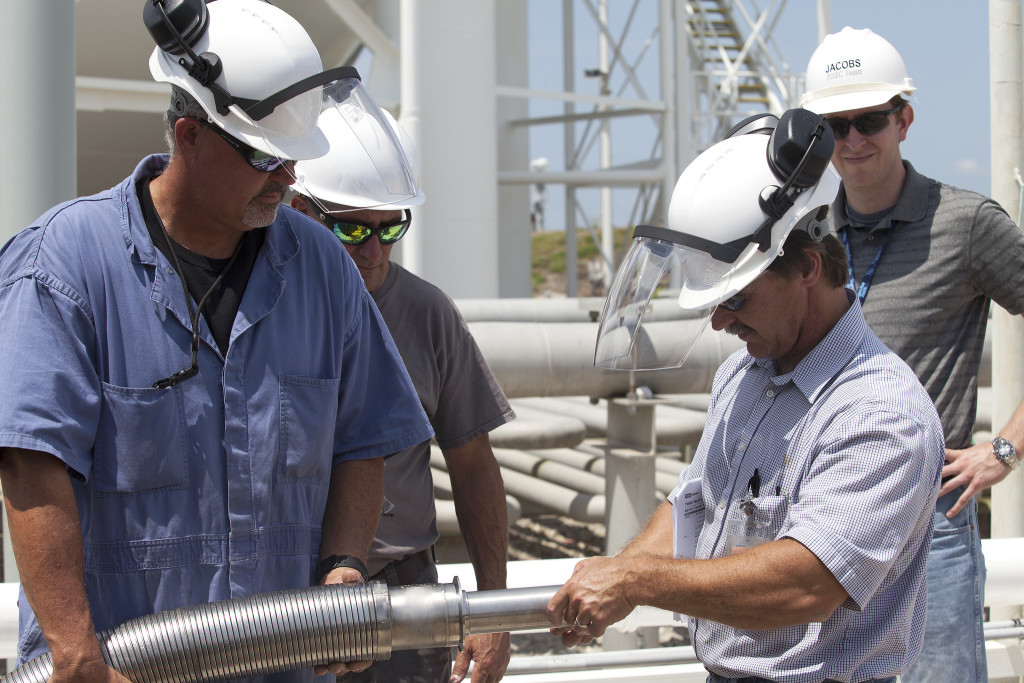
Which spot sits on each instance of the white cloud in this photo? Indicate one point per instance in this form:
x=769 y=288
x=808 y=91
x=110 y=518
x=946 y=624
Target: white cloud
x=970 y=167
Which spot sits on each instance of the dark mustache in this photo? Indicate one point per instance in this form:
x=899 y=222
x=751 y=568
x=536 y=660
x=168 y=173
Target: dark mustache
x=274 y=187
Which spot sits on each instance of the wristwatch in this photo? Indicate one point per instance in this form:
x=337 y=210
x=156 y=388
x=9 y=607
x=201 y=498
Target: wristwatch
x=329 y=564
x=1005 y=452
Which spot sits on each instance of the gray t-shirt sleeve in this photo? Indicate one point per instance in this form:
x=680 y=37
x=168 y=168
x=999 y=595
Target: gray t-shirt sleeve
x=471 y=402
x=456 y=387
x=996 y=260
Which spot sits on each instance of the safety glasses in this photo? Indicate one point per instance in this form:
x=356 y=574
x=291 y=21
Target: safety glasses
x=258 y=159
x=734 y=302
x=866 y=124
x=356 y=234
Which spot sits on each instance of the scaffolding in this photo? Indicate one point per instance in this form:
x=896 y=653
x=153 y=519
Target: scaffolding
x=716 y=63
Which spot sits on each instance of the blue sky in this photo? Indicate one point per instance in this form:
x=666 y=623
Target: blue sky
x=943 y=43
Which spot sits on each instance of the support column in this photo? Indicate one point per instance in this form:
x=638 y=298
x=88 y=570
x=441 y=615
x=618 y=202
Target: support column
x=37 y=42
x=630 y=493
x=448 y=88
x=1006 y=76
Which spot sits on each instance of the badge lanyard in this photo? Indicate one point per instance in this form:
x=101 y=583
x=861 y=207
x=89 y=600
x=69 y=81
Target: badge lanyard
x=865 y=284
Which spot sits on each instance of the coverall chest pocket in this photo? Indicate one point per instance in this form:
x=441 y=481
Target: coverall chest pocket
x=309 y=412
x=140 y=441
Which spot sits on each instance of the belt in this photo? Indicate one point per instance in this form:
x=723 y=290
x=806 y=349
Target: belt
x=406 y=570
x=715 y=678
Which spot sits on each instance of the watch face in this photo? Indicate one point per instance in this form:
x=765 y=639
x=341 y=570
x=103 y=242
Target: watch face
x=1004 y=450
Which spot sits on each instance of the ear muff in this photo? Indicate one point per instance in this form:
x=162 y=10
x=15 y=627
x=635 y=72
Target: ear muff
x=798 y=152
x=800 y=148
x=758 y=123
x=187 y=18
x=176 y=26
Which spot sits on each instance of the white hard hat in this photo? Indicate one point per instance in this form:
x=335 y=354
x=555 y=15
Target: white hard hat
x=730 y=214
x=258 y=76
x=854 y=69
x=347 y=174
x=261 y=50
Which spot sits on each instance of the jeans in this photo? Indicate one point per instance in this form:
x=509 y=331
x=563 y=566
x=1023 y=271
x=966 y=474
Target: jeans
x=954 y=643
x=715 y=678
x=427 y=665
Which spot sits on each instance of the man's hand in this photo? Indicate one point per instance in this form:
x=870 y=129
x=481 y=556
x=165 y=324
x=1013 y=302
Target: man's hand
x=489 y=653
x=91 y=671
x=349 y=577
x=594 y=598
x=975 y=469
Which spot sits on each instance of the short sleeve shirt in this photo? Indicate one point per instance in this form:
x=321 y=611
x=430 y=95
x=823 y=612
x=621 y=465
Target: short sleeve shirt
x=849 y=449
x=949 y=254
x=214 y=488
x=457 y=390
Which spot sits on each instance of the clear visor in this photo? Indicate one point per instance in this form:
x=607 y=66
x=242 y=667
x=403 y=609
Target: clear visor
x=630 y=336
x=353 y=105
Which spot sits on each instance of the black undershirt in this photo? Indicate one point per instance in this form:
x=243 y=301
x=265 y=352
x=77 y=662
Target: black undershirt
x=200 y=271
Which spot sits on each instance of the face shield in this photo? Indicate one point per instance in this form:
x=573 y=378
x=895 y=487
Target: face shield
x=298 y=108
x=730 y=213
x=630 y=336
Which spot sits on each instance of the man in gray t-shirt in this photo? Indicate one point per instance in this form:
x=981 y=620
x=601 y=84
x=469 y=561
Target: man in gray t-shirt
x=458 y=392
x=926 y=260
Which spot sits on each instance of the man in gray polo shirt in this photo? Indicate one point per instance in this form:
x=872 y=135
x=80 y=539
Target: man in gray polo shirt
x=926 y=260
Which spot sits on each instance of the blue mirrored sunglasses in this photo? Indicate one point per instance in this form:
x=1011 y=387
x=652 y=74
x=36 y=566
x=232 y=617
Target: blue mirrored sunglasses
x=734 y=302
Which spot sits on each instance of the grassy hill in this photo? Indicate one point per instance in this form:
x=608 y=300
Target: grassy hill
x=548 y=250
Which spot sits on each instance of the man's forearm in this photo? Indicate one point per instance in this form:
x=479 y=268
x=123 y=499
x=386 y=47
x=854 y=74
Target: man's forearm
x=479 y=496
x=774 y=585
x=47 y=539
x=354 y=503
x=1014 y=429
x=655 y=538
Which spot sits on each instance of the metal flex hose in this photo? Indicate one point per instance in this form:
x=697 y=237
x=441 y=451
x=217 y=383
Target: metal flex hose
x=285 y=630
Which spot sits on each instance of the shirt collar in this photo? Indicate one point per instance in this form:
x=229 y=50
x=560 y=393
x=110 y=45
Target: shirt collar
x=911 y=207
x=817 y=369
x=280 y=245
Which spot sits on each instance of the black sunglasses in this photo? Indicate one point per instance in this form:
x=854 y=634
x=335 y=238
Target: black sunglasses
x=256 y=158
x=355 y=234
x=866 y=124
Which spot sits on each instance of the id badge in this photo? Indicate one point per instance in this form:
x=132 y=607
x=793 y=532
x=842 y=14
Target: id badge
x=744 y=529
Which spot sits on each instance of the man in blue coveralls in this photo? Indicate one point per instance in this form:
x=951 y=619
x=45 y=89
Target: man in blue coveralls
x=199 y=391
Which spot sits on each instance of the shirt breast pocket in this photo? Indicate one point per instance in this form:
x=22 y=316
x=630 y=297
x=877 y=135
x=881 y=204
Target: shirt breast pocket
x=309 y=411
x=773 y=511
x=140 y=441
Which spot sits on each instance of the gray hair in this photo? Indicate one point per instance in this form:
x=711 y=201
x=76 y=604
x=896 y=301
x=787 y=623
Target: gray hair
x=182 y=105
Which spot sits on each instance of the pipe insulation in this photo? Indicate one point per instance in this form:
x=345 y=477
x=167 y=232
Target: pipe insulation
x=557 y=359
x=301 y=628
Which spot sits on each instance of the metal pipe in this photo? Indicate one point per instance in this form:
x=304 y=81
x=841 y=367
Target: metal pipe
x=285 y=630
x=557 y=359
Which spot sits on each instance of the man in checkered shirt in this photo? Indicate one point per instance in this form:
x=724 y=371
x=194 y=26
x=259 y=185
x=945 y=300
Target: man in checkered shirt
x=813 y=486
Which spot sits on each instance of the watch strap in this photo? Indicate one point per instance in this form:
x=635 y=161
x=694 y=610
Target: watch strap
x=332 y=562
